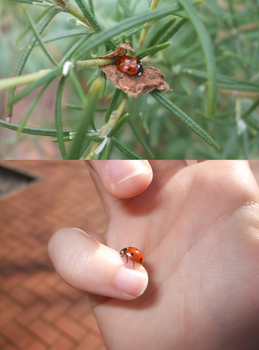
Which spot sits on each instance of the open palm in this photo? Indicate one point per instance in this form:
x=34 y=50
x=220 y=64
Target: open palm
x=198 y=229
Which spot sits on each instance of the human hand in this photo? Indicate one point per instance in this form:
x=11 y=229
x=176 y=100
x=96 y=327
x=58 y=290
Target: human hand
x=198 y=229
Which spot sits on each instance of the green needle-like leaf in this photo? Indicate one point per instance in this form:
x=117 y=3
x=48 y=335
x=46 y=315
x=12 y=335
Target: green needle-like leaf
x=118 y=125
x=66 y=34
x=250 y=110
x=58 y=118
x=27 y=29
x=125 y=6
x=184 y=117
x=91 y=6
x=34 y=103
x=128 y=153
x=112 y=105
x=125 y=25
x=76 y=47
x=30 y=2
x=167 y=35
x=85 y=121
x=208 y=53
x=152 y=50
x=78 y=87
x=226 y=82
x=50 y=76
x=37 y=35
x=26 y=52
x=34 y=131
x=89 y=15
x=141 y=140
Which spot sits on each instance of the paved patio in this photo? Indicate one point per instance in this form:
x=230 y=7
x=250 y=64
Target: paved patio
x=38 y=310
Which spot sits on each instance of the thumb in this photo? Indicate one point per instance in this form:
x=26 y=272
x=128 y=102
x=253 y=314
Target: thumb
x=88 y=265
x=121 y=178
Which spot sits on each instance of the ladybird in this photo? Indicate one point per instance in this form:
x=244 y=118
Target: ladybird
x=132 y=253
x=130 y=65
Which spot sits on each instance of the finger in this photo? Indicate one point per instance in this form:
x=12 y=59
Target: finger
x=88 y=265
x=121 y=178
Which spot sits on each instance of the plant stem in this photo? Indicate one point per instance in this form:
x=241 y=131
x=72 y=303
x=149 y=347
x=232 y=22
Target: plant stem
x=30 y=78
x=145 y=30
x=79 y=65
x=22 y=80
x=108 y=126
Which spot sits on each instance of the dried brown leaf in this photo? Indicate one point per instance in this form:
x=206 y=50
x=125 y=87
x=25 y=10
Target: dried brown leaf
x=151 y=79
x=121 y=50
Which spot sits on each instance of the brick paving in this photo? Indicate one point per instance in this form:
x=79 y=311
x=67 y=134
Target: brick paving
x=38 y=310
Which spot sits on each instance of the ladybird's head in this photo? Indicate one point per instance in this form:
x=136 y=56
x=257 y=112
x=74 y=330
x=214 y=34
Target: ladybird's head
x=123 y=251
x=140 y=69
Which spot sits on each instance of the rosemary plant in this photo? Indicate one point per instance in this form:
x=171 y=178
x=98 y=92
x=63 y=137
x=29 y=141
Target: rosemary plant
x=210 y=113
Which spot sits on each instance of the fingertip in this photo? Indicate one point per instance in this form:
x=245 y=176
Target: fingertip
x=132 y=283
x=124 y=178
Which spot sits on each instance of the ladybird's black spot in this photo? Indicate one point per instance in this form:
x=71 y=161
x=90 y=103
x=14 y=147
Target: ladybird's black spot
x=140 y=259
x=129 y=69
x=119 y=62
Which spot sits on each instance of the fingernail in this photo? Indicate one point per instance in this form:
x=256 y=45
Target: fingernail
x=131 y=282
x=122 y=170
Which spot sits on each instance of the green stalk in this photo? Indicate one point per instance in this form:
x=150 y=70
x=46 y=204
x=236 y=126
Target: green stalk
x=108 y=127
x=148 y=24
x=8 y=83
x=94 y=63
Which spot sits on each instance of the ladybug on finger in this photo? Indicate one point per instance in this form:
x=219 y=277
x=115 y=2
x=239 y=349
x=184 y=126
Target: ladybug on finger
x=130 y=65
x=132 y=253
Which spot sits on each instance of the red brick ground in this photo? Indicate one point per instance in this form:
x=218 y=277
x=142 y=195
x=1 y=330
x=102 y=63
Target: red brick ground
x=38 y=310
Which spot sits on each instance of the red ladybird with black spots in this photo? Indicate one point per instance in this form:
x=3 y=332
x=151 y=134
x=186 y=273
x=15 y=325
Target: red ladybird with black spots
x=130 y=65
x=133 y=254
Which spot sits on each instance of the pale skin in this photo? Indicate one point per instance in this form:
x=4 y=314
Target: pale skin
x=198 y=229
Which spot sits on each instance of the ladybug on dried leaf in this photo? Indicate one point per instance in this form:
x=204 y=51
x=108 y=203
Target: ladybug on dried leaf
x=130 y=65
x=130 y=76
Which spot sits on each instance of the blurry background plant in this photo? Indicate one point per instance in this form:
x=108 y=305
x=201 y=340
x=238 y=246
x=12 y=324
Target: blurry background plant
x=211 y=112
